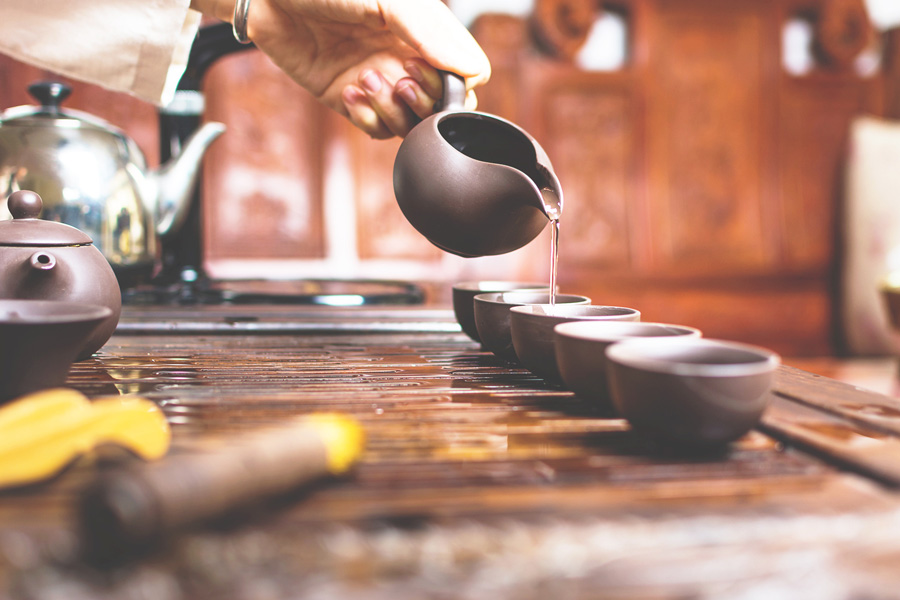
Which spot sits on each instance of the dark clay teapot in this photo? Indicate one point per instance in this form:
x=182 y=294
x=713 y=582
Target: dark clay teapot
x=44 y=260
x=474 y=184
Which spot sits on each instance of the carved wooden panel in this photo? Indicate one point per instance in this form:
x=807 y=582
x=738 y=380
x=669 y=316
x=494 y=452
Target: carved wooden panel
x=719 y=202
x=382 y=230
x=263 y=177
x=706 y=140
x=592 y=146
x=813 y=115
x=891 y=58
x=503 y=38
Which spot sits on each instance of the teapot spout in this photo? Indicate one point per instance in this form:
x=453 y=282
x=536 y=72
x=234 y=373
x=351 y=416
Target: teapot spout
x=176 y=179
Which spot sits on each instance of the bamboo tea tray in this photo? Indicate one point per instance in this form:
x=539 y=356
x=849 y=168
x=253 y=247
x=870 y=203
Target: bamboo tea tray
x=479 y=480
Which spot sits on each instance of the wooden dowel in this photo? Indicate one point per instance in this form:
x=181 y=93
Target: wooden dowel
x=132 y=509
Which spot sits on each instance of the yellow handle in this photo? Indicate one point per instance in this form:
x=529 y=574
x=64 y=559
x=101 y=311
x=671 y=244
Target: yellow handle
x=42 y=433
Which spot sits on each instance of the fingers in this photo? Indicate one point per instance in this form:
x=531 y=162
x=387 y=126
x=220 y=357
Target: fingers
x=425 y=75
x=471 y=100
x=429 y=89
x=415 y=97
x=383 y=111
x=361 y=113
x=437 y=35
x=380 y=109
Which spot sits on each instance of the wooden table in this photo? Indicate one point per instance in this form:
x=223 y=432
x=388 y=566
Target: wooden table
x=479 y=480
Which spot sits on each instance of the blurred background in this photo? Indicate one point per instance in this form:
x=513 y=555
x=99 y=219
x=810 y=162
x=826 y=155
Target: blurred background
x=726 y=165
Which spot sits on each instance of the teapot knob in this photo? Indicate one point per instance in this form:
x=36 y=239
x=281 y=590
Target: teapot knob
x=50 y=94
x=24 y=204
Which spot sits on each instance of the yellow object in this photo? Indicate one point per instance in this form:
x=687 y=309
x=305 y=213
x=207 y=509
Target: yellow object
x=343 y=437
x=43 y=432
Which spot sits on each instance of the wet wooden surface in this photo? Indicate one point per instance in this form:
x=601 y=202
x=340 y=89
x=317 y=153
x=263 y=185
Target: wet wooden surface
x=479 y=480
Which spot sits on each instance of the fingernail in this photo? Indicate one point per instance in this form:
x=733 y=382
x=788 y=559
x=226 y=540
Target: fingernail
x=352 y=95
x=414 y=71
x=371 y=81
x=407 y=92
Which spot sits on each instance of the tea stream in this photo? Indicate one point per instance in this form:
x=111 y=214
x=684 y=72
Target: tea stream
x=553 y=207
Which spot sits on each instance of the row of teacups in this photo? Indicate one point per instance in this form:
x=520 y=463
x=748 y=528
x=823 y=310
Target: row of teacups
x=664 y=379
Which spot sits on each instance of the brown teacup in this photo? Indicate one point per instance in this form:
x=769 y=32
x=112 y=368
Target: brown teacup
x=581 y=353
x=492 y=316
x=464 y=299
x=690 y=391
x=39 y=340
x=531 y=329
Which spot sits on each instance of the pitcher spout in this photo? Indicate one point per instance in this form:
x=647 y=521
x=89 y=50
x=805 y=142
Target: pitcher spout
x=551 y=195
x=176 y=179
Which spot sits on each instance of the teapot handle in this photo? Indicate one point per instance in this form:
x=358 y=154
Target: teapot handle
x=454 y=97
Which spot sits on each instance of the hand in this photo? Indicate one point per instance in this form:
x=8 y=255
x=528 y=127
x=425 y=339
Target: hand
x=373 y=61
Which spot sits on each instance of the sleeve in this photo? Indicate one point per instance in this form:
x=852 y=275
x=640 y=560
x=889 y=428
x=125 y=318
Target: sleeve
x=135 y=46
x=885 y=14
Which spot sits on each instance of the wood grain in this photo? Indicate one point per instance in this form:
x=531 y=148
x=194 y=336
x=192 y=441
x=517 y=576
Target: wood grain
x=472 y=464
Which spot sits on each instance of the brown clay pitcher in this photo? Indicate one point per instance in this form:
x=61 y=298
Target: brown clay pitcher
x=474 y=184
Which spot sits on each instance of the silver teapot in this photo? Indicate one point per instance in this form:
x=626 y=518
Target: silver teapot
x=92 y=176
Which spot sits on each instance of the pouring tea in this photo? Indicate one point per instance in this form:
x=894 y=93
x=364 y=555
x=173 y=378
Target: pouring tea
x=472 y=183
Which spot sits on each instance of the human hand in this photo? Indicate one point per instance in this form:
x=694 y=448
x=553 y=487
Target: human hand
x=373 y=61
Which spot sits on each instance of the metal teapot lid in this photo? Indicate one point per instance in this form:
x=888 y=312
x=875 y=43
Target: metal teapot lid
x=26 y=229
x=51 y=95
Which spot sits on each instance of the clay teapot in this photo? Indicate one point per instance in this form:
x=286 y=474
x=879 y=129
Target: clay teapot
x=93 y=177
x=473 y=183
x=43 y=260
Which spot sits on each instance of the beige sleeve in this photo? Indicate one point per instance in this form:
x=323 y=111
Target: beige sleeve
x=135 y=46
x=885 y=14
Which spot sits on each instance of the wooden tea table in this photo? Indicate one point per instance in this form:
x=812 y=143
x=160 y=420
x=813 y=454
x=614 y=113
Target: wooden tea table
x=479 y=480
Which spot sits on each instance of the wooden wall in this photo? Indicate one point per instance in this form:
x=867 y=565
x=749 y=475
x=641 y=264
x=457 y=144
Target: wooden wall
x=702 y=180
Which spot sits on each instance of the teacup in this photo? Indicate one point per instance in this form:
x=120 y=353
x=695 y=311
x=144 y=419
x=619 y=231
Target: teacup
x=492 y=316
x=581 y=352
x=531 y=330
x=690 y=391
x=39 y=340
x=464 y=299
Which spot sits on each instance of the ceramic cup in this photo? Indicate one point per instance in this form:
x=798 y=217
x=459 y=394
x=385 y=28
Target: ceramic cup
x=581 y=353
x=531 y=330
x=464 y=299
x=39 y=340
x=492 y=316
x=690 y=391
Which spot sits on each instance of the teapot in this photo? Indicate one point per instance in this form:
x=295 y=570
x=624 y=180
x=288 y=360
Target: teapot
x=472 y=183
x=43 y=260
x=95 y=178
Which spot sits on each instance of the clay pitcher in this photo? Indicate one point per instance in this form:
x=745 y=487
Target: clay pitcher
x=473 y=183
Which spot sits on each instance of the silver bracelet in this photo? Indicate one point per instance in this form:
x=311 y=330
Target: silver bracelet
x=239 y=26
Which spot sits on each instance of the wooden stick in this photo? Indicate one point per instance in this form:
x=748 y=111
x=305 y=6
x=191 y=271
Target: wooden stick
x=132 y=509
